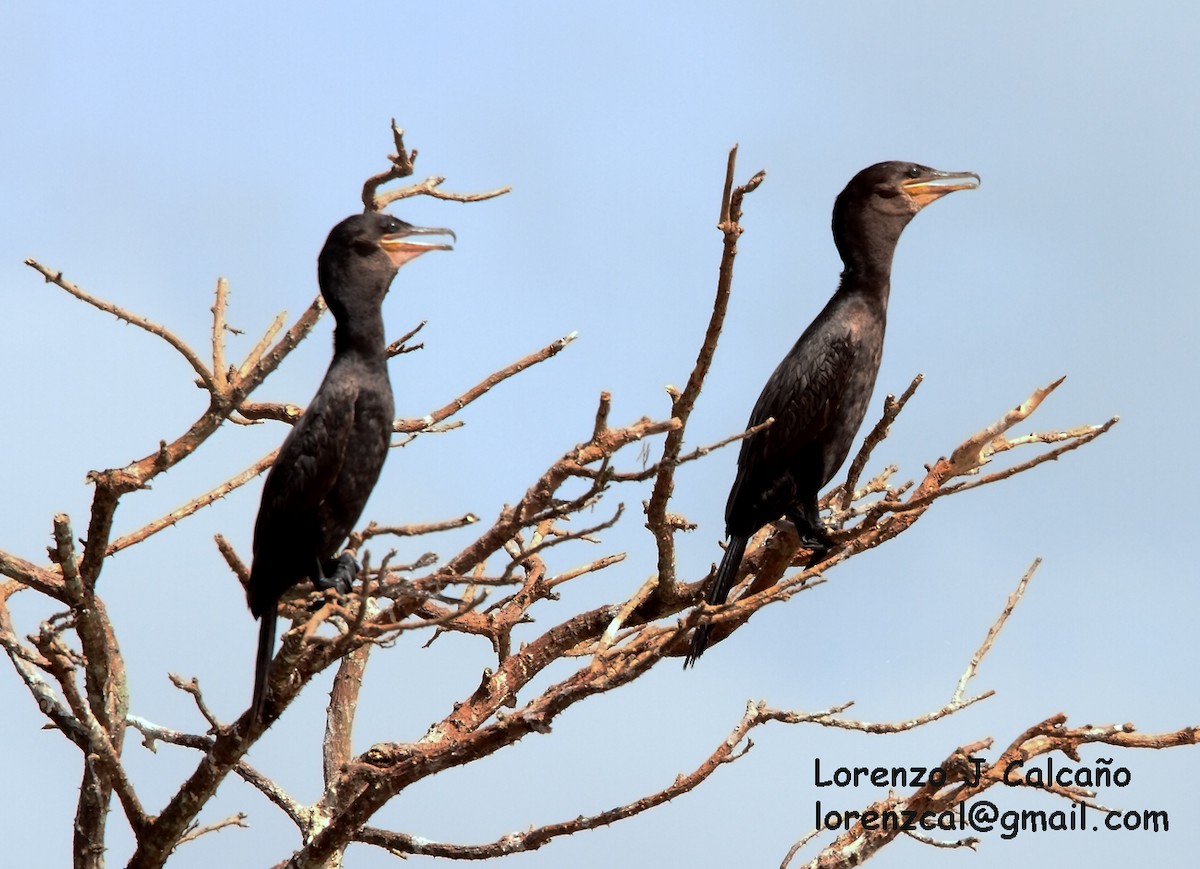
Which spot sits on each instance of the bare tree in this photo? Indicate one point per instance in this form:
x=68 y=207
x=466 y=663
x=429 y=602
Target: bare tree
x=73 y=667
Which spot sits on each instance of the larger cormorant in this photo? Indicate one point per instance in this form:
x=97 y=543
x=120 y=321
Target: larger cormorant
x=818 y=395
x=331 y=459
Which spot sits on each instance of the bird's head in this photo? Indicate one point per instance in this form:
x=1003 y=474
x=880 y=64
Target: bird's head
x=880 y=201
x=364 y=252
x=899 y=189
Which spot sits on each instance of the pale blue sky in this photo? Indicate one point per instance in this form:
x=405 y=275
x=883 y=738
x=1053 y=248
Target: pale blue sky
x=148 y=151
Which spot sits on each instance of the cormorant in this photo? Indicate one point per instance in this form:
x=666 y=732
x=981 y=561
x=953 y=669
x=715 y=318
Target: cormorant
x=331 y=459
x=819 y=394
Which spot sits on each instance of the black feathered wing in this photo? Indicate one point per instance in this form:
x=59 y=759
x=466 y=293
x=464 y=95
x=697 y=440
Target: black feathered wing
x=287 y=532
x=366 y=450
x=784 y=465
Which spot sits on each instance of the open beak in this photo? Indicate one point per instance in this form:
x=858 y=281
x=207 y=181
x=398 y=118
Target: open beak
x=402 y=247
x=935 y=185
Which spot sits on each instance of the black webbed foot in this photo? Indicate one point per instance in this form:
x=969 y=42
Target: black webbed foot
x=337 y=575
x=818 y=543
x=813 y=537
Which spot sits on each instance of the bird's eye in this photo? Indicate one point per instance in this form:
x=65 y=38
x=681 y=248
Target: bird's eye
x=913 y=172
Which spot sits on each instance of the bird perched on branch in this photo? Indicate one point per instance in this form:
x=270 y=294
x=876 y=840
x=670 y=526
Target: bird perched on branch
x=819 y=394
x=331 y=459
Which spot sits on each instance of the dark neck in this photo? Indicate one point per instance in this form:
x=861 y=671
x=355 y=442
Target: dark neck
x=360 y=334
x=876 y=288
x=867 y=246
x=356 y=301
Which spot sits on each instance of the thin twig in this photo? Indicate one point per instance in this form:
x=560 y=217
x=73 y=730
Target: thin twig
x=238 y=820
x=481 y=388
x=192 y=686
x=315 y=309
x=429 y=187
x=402 y=167
x=400 y=344
x=698 y=453
x=683 y=402
x=891 y=409
x=994 y=631
x=56 y=278
x=192 y=506
x=416 y=529
x=220 y=369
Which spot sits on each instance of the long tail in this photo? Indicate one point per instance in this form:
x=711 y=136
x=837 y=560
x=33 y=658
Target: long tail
x=262 y=665
x=718 y=592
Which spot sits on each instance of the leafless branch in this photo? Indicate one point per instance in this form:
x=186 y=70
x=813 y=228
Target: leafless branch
x=154 y=733
x=400 y=345
x=683 y=402
x=994 y=631
x=484 y=386
x=192 y=687
x=374 y=529
x=402 y=167
x=27 y=573
x=700 y=452
x=198 y=503
x=220 y=303
x=429 y=187
x=891 y=409
x=729 y=750
x=250 y=412
x=195 y=832
x=589 y=567
x=56 y=278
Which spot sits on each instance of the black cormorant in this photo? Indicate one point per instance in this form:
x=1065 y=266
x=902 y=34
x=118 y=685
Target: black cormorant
x=818 y=395
x=331 y=459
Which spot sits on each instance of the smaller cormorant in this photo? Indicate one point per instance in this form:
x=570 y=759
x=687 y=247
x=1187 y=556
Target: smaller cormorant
x=331 y=459
x=819 y=394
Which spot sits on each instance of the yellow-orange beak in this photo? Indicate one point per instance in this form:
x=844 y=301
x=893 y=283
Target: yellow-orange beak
x=935 y=185
x=402 y=247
